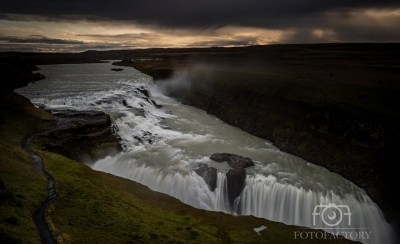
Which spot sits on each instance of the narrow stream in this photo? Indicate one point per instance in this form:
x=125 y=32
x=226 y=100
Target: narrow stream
x=39 y=216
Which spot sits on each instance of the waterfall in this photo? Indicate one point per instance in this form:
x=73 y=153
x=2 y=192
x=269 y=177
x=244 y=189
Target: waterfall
x=262 y=197
x=164 y=141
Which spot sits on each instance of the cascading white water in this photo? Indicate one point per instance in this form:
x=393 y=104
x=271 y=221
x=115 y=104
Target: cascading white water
x=162 y=146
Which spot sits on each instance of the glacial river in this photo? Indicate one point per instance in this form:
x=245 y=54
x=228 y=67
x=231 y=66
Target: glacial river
x=163 y=145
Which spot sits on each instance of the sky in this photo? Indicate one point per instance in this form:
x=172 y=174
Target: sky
x=75 y=26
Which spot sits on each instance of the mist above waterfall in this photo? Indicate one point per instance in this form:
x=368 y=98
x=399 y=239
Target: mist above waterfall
x=181 y=82
x=177 y=86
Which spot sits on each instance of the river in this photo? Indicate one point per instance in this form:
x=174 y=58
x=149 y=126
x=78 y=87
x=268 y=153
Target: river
x=164 y=141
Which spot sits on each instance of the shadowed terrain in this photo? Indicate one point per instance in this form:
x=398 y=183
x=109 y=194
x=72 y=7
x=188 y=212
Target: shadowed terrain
x=335 y=105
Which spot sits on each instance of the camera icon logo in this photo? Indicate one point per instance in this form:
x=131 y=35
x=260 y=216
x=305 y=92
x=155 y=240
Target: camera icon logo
x=331 y=214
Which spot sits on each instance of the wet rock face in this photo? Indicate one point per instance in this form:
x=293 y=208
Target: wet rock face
x=236 y=182
x=143 y=92
x=235 y=161
x=83 y=136
x=209 y=174
x=235 y=177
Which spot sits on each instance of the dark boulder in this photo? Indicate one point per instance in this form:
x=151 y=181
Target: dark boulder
x=235 y=161
x=236 y=182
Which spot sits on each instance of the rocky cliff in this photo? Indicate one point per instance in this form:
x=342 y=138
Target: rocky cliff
x=17 y=74
x=84 y=136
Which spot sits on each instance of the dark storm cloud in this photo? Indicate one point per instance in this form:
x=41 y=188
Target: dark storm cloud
x=38 y=39
x=184 y=13
x=120 y=36
x=350 y=26
x=42 y=47
x=239 y=41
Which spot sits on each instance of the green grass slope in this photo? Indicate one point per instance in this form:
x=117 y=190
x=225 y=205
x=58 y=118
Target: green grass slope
x=22 y=189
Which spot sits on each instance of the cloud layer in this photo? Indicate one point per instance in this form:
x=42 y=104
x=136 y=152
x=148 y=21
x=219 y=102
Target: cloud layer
x=38 y=39
x=190 y=14
x=183 y=23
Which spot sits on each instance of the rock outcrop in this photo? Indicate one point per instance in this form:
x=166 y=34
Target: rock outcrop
x=83 y=136
x=235 y=161
x=17 y=74
x=235 y=177
x=209 y=174
x=236 y=182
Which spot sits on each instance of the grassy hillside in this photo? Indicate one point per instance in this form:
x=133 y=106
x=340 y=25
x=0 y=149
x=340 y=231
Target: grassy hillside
x=22 y=189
